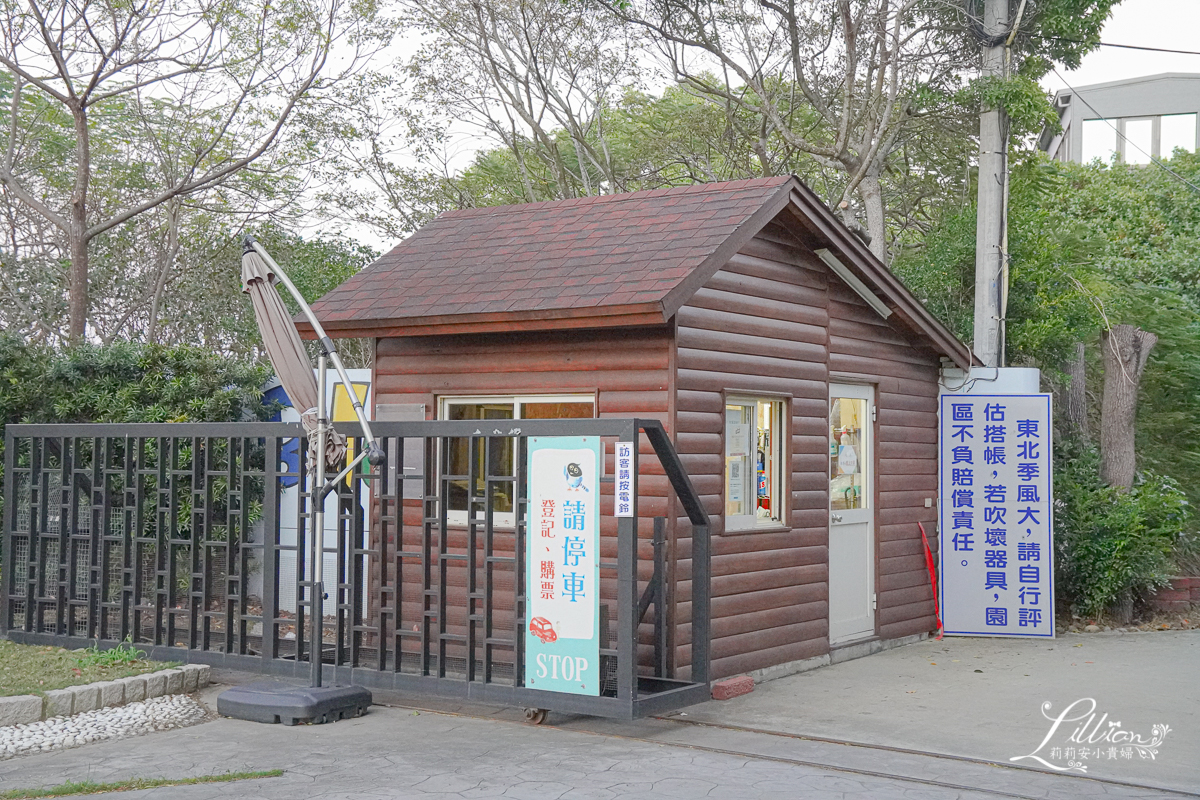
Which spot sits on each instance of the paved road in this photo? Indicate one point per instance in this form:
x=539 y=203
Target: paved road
x=982 y=698
x=399 y=753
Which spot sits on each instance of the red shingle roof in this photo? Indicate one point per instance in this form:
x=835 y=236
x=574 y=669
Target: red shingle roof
x=625 y=259
x=556 y=257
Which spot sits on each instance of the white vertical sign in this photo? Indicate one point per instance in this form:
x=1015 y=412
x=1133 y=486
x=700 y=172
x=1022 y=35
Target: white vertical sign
x=995 y=533
x=562 y=642
x=623 y=497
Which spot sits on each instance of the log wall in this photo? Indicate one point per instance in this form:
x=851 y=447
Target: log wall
x=626 y=371
x=773 y=321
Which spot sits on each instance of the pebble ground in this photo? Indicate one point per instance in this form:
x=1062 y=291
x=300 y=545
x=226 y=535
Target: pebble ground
x=105 y=724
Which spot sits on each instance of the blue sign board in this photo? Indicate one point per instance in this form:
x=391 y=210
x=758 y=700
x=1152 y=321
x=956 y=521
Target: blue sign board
x=562 y=640
x=996 y=543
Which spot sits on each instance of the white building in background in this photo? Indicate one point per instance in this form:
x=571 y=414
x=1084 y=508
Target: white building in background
x=1132 y=119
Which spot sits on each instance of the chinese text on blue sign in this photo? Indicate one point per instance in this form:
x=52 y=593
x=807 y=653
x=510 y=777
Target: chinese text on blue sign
x=562 y=641
x=996 y=545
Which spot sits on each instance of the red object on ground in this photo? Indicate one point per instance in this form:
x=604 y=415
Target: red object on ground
x=932 y=578
x=541 y=628
x=732 y=687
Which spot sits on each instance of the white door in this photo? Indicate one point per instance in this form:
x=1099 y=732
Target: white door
x=851 y=513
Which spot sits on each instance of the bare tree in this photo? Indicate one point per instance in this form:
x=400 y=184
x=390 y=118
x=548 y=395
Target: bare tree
x=1077 y=405
x=232 y=74
x=384 y=167
x=1126 y=349
x=523 y=71
x=838 y=81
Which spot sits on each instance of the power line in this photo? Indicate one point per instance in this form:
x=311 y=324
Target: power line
x=1122 y=46
x=1151 y=49
x=1127 y=140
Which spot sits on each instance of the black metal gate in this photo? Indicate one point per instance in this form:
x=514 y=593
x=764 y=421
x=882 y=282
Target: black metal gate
x=190 y=540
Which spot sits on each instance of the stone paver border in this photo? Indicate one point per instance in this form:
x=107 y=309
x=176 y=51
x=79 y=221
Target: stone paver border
x=27 y=708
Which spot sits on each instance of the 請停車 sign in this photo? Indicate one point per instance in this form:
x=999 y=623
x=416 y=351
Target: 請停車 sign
x=995 y=532
x=562 y=640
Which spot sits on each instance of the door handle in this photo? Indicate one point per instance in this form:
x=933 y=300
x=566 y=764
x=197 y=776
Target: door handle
x=836 y=517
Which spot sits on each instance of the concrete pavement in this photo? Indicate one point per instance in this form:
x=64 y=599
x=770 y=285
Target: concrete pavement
x=982 y=698
x=399 y=753
x=927 y=723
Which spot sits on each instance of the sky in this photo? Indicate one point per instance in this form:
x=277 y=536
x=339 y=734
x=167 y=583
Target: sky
x=1168 y=24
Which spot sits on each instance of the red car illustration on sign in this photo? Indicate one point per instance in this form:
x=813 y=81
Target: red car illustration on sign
x=541 y=628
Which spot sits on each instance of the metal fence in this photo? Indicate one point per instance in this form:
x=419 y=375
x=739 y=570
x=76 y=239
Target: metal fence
x=191 y=541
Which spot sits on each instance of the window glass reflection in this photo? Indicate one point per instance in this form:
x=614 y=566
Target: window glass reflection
x=847 y=459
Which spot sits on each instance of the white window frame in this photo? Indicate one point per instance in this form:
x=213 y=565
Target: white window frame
x=1158 y=132
x=779 y=498
x=1124 y=147
x=501 y=518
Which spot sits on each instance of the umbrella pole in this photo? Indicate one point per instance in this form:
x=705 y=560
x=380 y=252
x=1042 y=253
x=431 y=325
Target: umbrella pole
x=318 y=612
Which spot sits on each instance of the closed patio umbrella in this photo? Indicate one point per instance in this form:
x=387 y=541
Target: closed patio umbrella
x=284 y=348
x=290 y=360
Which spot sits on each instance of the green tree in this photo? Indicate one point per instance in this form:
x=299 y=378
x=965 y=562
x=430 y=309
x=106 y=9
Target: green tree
x=190 y=93
x=1094 y=246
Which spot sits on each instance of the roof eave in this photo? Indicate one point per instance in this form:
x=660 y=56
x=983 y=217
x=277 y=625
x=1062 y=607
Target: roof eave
x=628 y=315
x=809 y=209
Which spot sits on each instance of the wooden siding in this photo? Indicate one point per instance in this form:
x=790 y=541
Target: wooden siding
x=627 y=371
x=772 y=321
x=864 y=346
x=758 y=326
x=775 y=321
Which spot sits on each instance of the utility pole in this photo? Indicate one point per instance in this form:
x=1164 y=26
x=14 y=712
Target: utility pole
x=993 y=168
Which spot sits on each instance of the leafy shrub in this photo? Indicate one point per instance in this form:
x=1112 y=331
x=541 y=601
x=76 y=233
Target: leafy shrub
x=1111 y=545
x=125 y=382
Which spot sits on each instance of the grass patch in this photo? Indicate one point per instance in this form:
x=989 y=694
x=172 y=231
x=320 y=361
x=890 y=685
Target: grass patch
x=90 y=787
x=35 y=669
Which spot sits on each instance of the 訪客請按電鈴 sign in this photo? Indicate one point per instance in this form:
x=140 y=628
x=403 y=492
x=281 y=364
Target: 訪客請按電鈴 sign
x=995 y=533
x=562 y=639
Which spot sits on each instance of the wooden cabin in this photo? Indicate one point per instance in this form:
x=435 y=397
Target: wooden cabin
x=796 y=374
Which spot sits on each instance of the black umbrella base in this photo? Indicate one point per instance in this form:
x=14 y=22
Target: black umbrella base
x=275 y=702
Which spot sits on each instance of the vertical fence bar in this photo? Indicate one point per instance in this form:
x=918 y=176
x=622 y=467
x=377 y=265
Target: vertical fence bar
x=68 y=519
x=99 y=588
x=269 y=646
x=627 y=598
x=38 y=519
x=440 y=552
x=355 y=573
x=489 y=538
x=164 y=543
x=391 y=483
x=235 y=600
x=229 y=607
x=489 y=500
x=659 y=580
x=198 y=565
x=154 y=543
x=520 y=545
x=304 y=509
x=38 y=494
x=435 y=453
x=129 y=579
x=137 y=530
x=7 y=560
